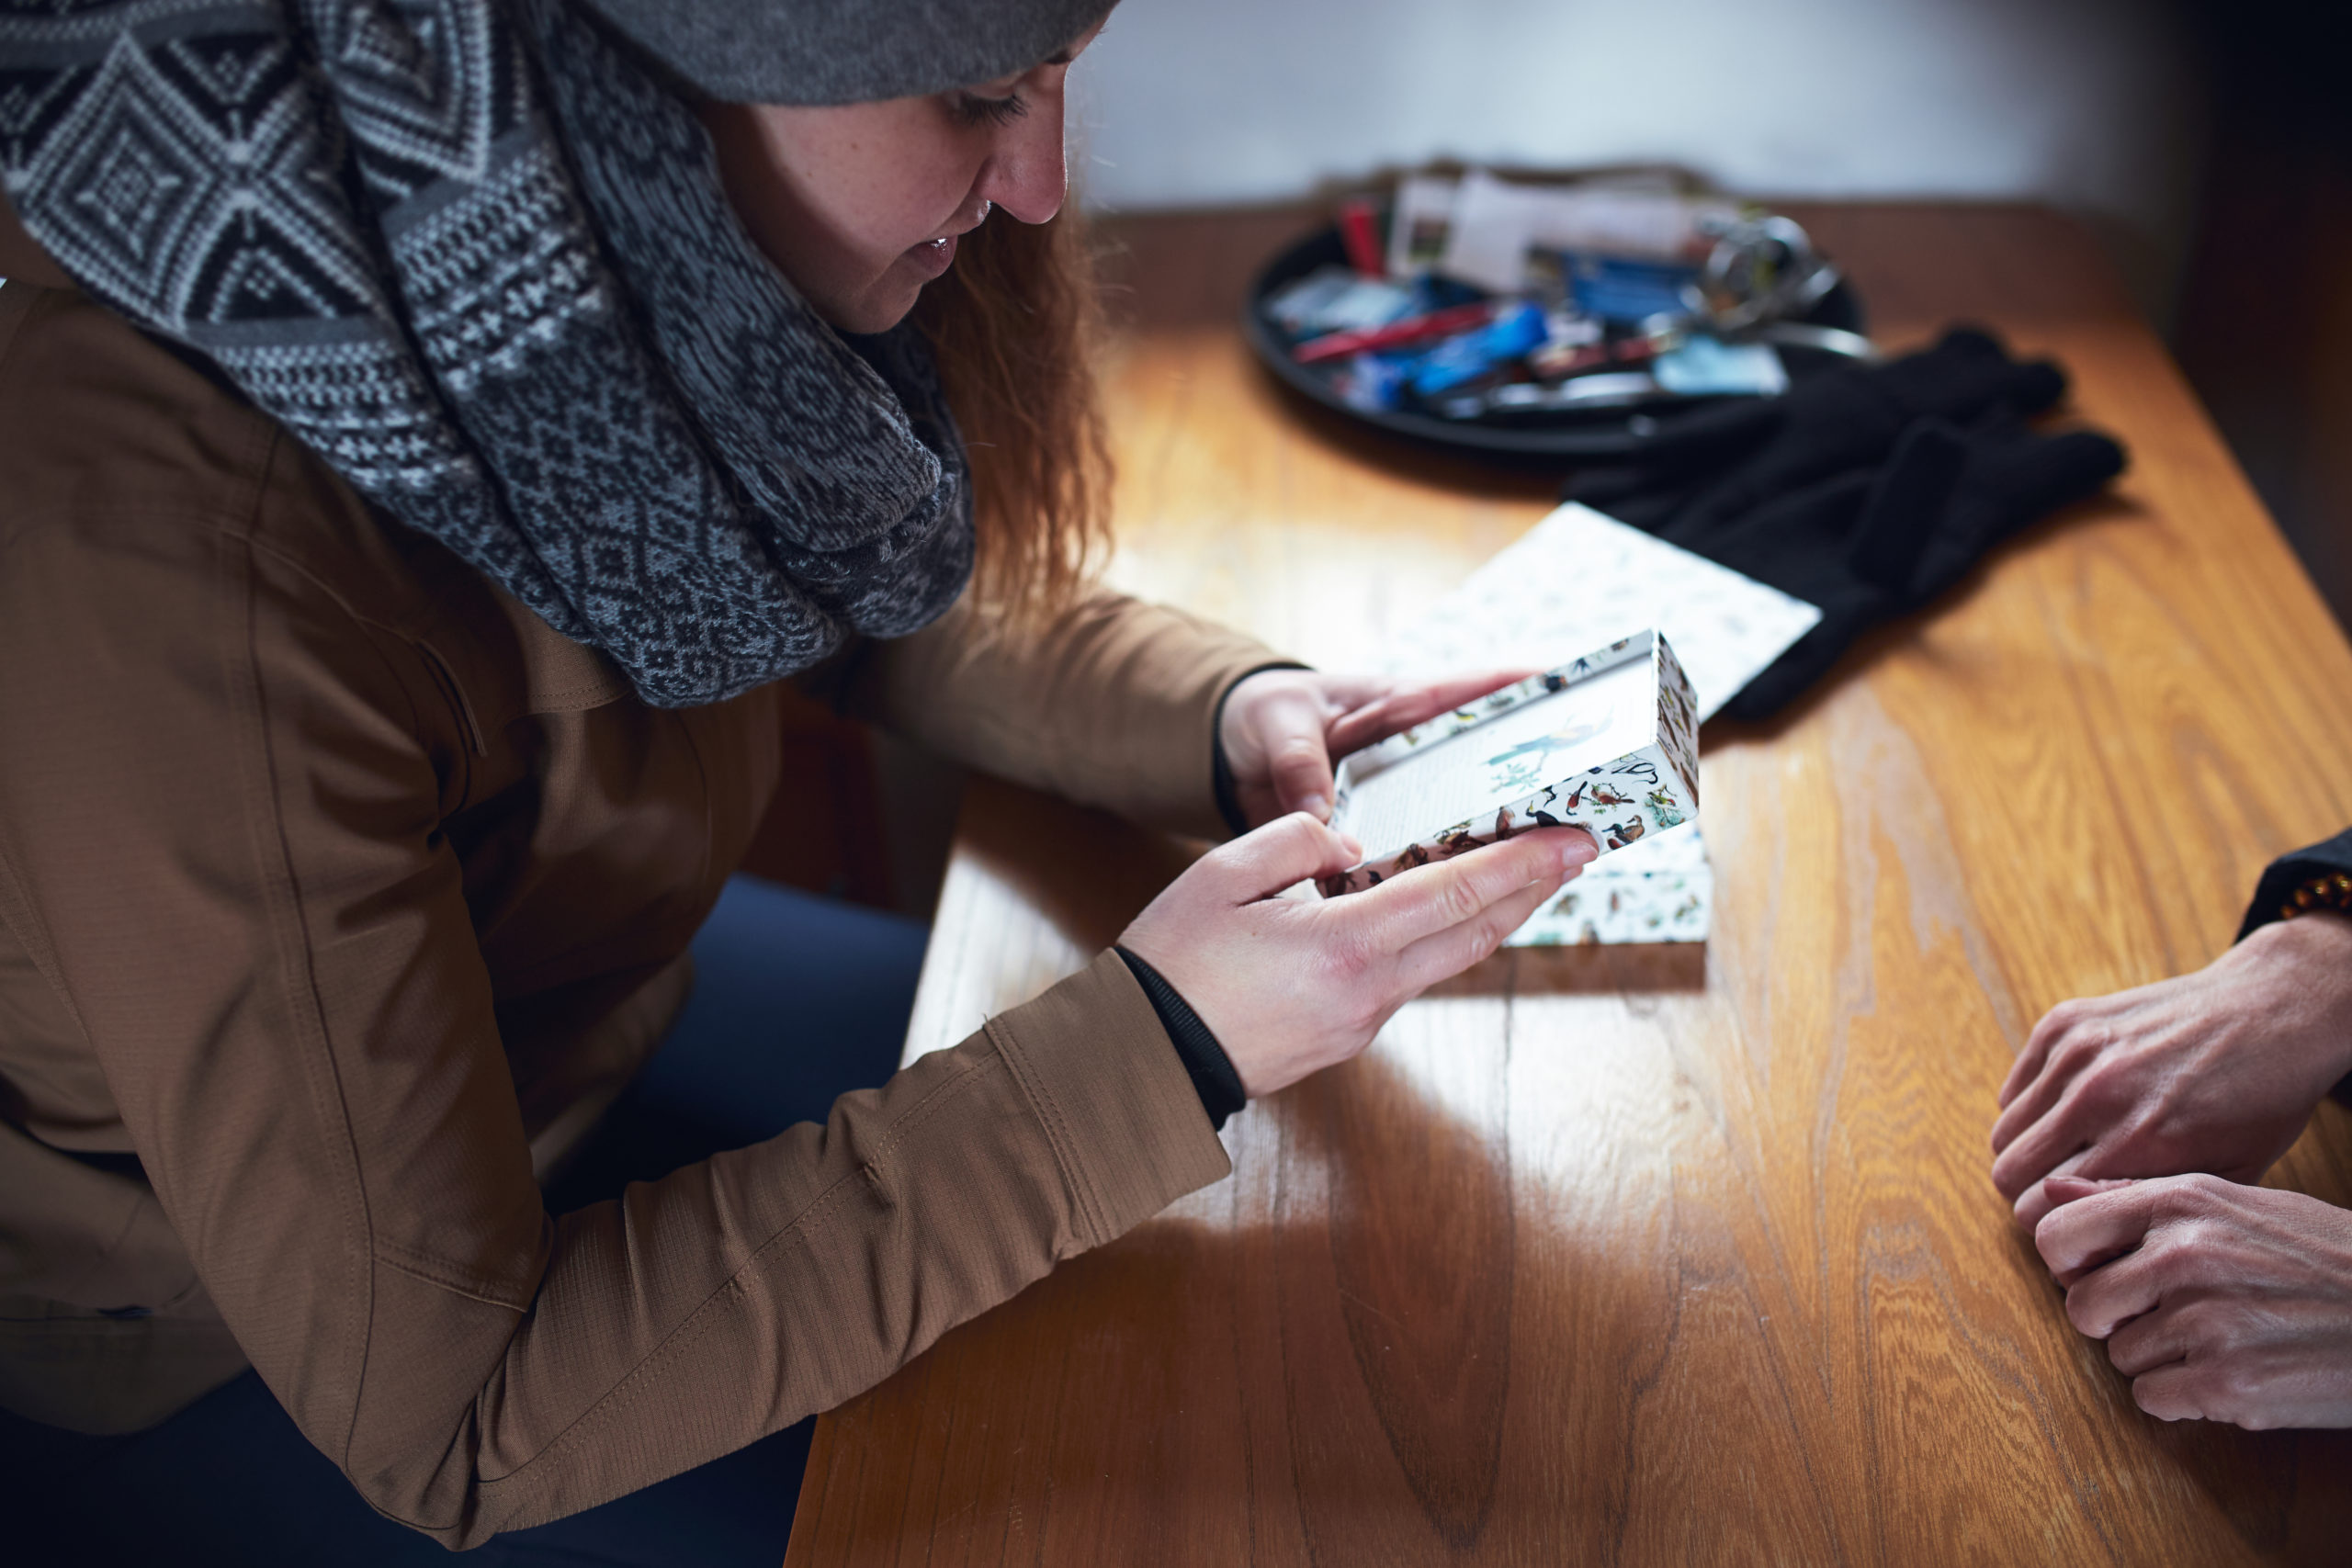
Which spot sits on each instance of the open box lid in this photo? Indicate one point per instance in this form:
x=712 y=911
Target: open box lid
x=1607 y=742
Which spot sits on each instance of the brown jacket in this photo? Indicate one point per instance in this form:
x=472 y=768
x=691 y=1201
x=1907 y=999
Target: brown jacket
x=338 y=894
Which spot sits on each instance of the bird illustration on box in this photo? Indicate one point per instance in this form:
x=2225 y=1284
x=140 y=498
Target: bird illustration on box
x=1525 y=764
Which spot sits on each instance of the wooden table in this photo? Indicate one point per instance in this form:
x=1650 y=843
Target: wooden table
x=1664 y=1255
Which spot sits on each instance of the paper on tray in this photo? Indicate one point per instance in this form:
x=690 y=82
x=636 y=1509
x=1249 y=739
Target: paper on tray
x=1481 y=228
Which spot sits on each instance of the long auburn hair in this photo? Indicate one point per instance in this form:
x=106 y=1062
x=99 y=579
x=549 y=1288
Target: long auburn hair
x=1015 y=326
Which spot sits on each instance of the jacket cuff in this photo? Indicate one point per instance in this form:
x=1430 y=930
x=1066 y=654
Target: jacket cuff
x=1228 y=798
x=1108 y=1087
x=2274 y=895
x=2275 y=899
x=1205 y=1063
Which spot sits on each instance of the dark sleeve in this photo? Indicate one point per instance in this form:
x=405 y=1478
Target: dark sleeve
x=2317 y=876
x=2276 y=896
x=1205 y=1062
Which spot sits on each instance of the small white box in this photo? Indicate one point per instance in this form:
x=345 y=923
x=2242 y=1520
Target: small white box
x=1607 y=742
x=1661 y=889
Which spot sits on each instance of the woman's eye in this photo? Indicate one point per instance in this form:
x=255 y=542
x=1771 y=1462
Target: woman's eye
x=973 y=108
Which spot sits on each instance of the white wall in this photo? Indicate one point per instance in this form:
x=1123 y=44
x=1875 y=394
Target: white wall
x=2082 y=102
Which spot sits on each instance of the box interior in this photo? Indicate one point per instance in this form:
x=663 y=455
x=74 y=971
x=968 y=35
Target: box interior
x=1540 y=742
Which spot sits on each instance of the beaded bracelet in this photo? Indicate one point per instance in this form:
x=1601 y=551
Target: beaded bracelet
x=2329 y=890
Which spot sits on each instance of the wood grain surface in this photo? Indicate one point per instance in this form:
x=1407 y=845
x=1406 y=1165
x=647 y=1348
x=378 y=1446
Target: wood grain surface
x=1658 y=1255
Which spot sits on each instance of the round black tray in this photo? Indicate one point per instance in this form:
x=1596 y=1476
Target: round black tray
x=1581 y=435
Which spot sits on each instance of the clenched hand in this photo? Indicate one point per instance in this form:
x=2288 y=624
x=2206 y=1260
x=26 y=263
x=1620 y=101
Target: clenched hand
x=2219 y=1302
x=2215 y=1071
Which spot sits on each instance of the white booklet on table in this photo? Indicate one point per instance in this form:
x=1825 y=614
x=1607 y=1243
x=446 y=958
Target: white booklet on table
x=1579 y=579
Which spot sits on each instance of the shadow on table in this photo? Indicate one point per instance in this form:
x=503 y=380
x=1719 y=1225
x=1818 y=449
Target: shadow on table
x=1322 y=1360
x=1584 y=971
x=2283 y=1493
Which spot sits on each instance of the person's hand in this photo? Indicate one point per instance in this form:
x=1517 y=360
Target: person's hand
x=2215 y=1071
x=1282 y=730
x=1290 y=986
x=2219 y=1302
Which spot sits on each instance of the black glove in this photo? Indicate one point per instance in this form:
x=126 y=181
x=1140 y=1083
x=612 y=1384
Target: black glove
x=1867 y=491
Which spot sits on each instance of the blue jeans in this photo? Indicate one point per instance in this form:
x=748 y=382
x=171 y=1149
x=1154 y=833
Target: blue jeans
x=797 y=1001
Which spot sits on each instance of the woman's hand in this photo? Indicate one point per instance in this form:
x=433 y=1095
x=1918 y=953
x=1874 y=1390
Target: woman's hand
x=2215 y=1071
x=1282 y=730
x=2220 y=1303
x=1291 y=986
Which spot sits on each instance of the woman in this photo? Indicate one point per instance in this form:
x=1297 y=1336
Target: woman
x=392 y=611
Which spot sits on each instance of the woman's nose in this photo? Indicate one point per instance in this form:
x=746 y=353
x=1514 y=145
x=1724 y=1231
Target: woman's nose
x=1025 y=174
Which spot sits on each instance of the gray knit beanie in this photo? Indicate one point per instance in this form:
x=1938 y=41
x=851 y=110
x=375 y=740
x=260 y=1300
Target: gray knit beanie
x=846 y=51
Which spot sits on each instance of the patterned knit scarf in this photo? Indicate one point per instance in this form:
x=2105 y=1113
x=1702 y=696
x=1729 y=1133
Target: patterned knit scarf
x=473 y=255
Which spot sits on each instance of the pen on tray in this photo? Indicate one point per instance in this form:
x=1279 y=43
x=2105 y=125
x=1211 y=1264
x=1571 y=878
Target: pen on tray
x=1413 y=329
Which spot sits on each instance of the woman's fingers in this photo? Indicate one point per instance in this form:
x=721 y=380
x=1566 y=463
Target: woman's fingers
x=1284 y=723
x=1394 y=710
x=1285 y=851
x=1346 y=694
x=1300 y=765
x=1285 y=728
x=1436 y=897
x=1448 y=953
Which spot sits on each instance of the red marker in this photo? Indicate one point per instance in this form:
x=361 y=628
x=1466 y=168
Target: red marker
x=1362 y=237
x=1413 y=329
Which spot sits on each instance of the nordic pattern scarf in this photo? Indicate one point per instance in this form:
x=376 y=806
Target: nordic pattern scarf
x=474 y=256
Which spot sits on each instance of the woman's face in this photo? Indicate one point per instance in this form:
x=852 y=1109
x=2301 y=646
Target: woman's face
x=860 y=204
